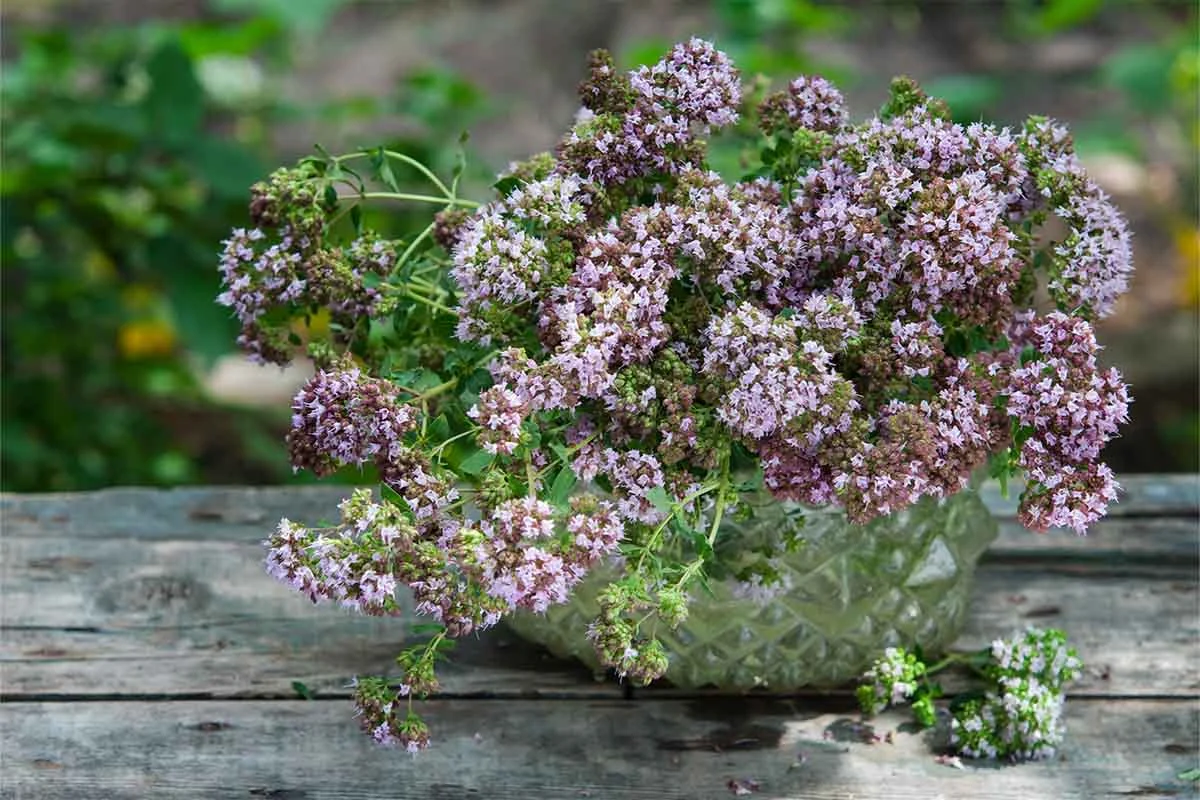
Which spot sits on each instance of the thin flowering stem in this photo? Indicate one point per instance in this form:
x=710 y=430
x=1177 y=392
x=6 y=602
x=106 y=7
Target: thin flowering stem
x=693 y=568
x=434 y=304
x=656 y=536
x=409 y=160
x=440 y=389
x=412 y=247
x=447 y=442
x=420 y=198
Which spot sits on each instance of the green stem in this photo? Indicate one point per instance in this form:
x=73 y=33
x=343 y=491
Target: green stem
x=420 y=298
x=412 y=162
x=695 y=566
x=420 y=198
x=973 y=660
x=412 y=246
x=657 y=534
x=449 y=441
x=440 y=389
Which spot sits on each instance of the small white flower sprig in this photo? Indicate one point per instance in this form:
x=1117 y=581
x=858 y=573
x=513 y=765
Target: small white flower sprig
x=1018 y=716
x=605 y=361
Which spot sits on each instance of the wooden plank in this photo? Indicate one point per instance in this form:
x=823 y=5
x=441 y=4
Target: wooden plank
x=1119 y=540
x=1166 y=495
x=94 y=617
x=515 y=750
x=241 y=514
x=103 y=617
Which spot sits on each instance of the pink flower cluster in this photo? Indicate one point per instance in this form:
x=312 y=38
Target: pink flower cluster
x=1069 y=409
x=653 y=131
x=809 y=102
x=290 y=269
x=345 y=418
x=809 y=316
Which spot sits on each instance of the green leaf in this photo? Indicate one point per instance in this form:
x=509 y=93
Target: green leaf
x=504 y=186
x=207 y=330
x=659 y=498
x=439 y=429
x=419 y=379
x=174 y=104
x=560 y=490
x=1189 y=774
x=384 y=169
x=303 y=691
x=1140 y=72
x=476 y=463
x=426 y=628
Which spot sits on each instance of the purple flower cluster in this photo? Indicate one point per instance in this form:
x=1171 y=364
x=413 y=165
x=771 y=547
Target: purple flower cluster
x=911 y=216
x=294 y=269
x=695 y=81
x=653 y=130
x=1068 y=409
x=1094 y=263
x=346 y=565
x=345 y=418
x=809 y=102
x=522 y=565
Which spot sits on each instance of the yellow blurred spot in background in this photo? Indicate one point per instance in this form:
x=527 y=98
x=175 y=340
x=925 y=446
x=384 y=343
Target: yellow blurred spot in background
x=146 y=338
x=1187 y=247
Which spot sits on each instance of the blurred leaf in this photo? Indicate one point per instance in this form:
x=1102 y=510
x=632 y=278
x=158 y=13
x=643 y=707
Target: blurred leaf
x=205 y=328
x=661 y=501
x=228 y=169
x=202 y=39
x=1058 y=15
x=174 y=104
x=1140 y=72
x=476 y=462
x=970 y=97
x=560 y=490
x=439 y=429
x=647 y=52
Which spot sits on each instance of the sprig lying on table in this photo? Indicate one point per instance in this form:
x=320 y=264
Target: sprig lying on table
x=1017 y=717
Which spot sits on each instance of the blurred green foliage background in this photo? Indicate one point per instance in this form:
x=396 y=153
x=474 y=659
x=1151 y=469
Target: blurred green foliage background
x=128 y=148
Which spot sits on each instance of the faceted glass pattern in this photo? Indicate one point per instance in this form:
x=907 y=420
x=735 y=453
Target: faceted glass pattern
x=904 y=579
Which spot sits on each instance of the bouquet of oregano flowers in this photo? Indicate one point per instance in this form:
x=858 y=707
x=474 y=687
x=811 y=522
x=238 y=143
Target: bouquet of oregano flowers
x=604 y=360
x=1018 y=716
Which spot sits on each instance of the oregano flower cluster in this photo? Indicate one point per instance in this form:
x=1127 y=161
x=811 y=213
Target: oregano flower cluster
x=1017 y=716
x=604 y=360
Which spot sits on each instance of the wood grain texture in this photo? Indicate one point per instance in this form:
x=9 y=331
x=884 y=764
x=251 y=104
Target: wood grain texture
x=521 y=750
x=241 y=514
x=100 y=617
x=144 y=652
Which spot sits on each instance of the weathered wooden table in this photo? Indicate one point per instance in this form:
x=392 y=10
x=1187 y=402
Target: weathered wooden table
x=147 y=654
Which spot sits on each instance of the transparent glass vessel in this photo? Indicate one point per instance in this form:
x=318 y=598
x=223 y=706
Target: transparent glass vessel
x=852 y=590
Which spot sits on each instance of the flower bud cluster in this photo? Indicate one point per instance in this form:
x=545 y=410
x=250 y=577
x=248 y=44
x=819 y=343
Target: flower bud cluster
x=890 y=681
x=287 y=263
x=1021 y=718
